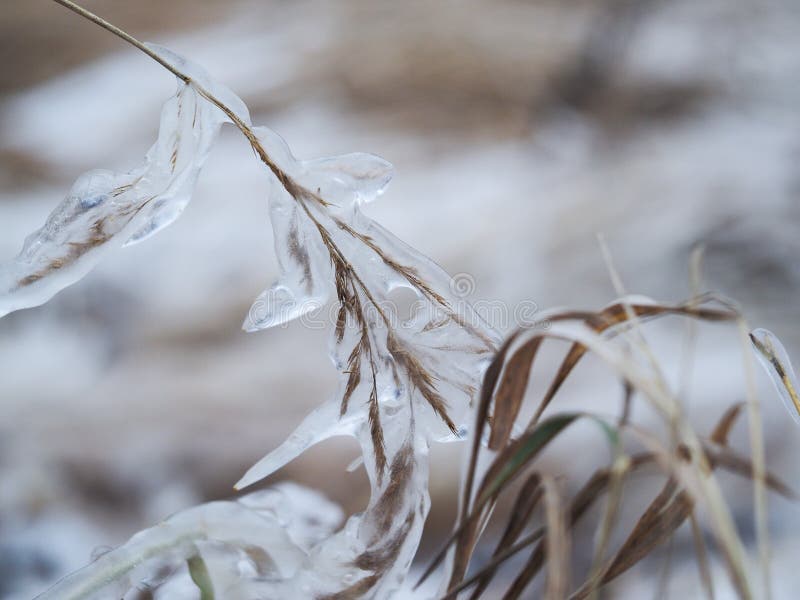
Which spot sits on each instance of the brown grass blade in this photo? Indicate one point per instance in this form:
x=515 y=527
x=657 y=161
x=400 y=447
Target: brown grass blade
x=627 y=399
x=574 y=355
x=616 y=314
x=667 y=512
x=726 y=459
x=527 y=500
x=557 y=543
x=442 y=552
x=521 y=452
x=660 y=520
x=376 y=431
x=493 y=564
x=466 y=540
x=490 y=379
x=461 y=558
x=508 y=399
x=582 y=501
x=726 y=423
x=505 y=467
x=481 y=413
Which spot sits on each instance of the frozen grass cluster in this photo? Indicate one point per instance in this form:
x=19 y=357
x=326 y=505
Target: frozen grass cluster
x=435 y=377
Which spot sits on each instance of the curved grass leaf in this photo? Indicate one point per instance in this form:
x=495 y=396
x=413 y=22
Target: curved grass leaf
x=522 y=451
x=508 y=398
x=198 y=571
x=613 y=316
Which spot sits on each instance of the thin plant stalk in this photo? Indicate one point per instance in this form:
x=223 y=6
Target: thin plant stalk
x=759 y=459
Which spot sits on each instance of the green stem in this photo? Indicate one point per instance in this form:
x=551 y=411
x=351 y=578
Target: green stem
x=99 y=575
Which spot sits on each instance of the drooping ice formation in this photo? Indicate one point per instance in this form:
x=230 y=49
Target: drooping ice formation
x=261 y=536
x=327 y=246
x=105 y=210
x=403 y=382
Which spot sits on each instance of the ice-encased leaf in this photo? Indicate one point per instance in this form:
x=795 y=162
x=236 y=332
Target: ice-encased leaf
x=775 y=361
x=241 y=544
x=203 y=135
x=306 y=281
x=402 y=382
x=325 y=244
x=105 y=210
x=203 y=82
x=354 y=178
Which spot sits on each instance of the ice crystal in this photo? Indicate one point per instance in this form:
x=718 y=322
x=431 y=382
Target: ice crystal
x=403 y=382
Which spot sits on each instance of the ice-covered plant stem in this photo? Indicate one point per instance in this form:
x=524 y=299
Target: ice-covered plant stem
x=402 y=384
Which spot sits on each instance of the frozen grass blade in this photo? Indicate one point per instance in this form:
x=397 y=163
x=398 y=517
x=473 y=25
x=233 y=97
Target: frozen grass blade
x=775 y=361
x=198 y=571
x=399 y=389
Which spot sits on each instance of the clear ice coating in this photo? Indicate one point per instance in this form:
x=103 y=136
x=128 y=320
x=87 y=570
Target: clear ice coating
x=775 y=361
x=105 y=210
x=403 y=382
x=260 y=536
x=306 y=279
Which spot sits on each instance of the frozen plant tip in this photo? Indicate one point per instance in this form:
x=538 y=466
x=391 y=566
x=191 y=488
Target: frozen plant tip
x=775 y=361
x=105 y=210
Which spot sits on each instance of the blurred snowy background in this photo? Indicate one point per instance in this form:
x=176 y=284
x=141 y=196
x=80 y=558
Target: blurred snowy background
x=519 y=129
